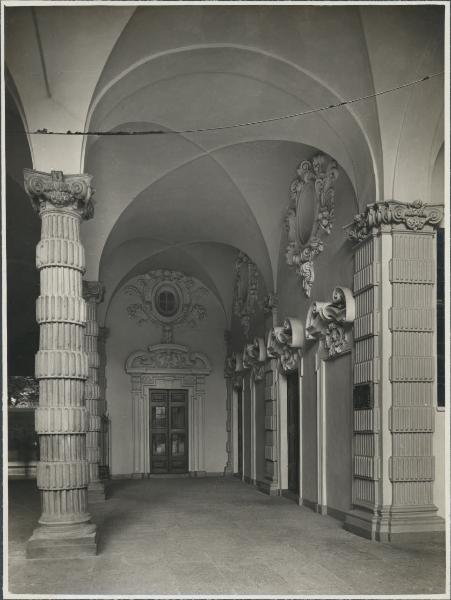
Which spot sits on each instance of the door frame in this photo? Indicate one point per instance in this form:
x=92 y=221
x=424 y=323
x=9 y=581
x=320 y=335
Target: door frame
x=169 y=426
x=158 y=369
x=282 y=400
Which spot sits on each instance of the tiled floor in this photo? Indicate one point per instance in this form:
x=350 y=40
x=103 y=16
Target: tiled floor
x=216 y=536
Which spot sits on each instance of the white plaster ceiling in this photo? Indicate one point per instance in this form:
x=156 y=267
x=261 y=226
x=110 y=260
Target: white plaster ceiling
x=184 y=67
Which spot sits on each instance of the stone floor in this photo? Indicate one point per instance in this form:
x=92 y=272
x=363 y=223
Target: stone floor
x=216 y=536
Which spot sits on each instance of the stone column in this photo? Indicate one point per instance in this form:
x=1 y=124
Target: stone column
x=394 y=372
x=93 y=294
x=61 y=367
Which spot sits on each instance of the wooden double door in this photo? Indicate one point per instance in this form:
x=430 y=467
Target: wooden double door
x=168 y=431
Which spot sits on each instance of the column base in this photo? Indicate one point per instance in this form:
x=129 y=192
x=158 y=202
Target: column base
x=63 y=541
x=416 y=524
x=96 y=492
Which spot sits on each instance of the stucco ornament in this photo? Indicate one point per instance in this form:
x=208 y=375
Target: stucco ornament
x=254 y=357
x=167 y=298
x=245 y=291
x=167 y=357
x=56 y=190
x=237 y=364
x=330 y=322
x=414 y=216
x=310 y=215
x=270 y=303
x=285 y=343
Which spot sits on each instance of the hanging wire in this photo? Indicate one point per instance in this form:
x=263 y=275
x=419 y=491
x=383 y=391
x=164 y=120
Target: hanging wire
x=45 y=131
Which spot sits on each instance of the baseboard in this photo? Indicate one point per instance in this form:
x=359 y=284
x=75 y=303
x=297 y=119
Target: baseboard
x=318 y=508
x=291 y=496
x=418 y=524
x=266 y=488
x=336 y=513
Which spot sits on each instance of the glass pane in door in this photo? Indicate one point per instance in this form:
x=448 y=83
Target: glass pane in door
x=177 y=417
x=178 y=444
x=159 y=417
x=159 y=444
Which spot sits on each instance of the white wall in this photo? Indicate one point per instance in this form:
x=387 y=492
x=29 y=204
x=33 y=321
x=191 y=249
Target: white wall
x=126 y=336
x=440 y=463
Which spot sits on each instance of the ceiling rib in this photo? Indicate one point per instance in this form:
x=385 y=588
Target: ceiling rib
x=41 y=52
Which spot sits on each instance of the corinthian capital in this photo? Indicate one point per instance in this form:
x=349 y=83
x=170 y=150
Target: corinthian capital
x=56 y=190
x=413 y=216
x=93 y=291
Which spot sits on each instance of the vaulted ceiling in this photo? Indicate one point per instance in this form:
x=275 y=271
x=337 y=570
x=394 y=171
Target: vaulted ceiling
x=196 y=198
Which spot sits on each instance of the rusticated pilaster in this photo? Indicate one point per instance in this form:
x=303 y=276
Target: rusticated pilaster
x=394 y=371
x=93 y=294
x=62 y=366
x=103 y=409
x=271 y=427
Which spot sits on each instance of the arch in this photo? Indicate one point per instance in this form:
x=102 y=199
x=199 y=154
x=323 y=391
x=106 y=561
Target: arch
x=305 y=80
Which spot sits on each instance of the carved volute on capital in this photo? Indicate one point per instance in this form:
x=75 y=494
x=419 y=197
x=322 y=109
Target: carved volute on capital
x=229 y=366
x=330 y=322
x=285 y=343
x=254 y=356
x=48 y=191
x=413 y=216
x=93 y=291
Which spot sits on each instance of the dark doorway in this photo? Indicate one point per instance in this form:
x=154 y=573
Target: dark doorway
x=168 y=431
x=293 y=433
x=240 y=431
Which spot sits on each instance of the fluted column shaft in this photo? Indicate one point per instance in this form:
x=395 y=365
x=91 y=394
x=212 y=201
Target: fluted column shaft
x=61 y=363
x=93 y=294
x=61 y=367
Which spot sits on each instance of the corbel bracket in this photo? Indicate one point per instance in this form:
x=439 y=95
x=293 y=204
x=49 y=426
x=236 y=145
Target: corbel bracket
x=330 y=322
x=285 y=343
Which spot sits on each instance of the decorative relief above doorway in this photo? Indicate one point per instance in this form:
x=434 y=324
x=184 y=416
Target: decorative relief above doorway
x=310 y=215
x=167 y=298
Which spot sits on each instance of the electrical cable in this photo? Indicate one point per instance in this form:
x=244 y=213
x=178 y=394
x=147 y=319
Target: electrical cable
x=237 y=125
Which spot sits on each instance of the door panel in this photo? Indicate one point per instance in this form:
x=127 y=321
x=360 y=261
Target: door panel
x=169 y=431
x=293 y=431
x=240 y=432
